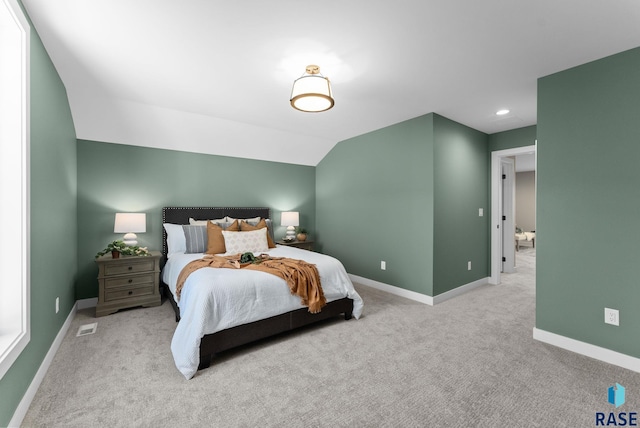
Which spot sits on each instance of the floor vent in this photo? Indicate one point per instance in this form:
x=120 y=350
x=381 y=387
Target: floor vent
x=87 y=329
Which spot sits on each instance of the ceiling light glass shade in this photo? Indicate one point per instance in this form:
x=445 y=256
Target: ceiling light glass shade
x=312 y=91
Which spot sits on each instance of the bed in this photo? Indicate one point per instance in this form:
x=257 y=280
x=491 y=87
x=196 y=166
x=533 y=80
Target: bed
x=525 y=237
x=214 y=316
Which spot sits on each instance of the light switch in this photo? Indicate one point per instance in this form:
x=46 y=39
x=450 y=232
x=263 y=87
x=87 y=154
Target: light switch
x=480 y=212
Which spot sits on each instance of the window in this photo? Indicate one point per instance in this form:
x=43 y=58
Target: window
x=14 y=183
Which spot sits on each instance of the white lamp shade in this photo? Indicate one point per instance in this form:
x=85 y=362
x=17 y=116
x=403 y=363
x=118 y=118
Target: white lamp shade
x=130 y=222
x=290 y=218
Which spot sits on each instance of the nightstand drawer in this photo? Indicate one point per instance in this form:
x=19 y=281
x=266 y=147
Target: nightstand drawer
x=129 y=280
x=131 y=267
x=125 y=293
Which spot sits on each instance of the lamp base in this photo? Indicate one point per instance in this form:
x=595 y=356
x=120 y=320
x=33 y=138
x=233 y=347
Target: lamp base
x=130 y=239
x=291 y=234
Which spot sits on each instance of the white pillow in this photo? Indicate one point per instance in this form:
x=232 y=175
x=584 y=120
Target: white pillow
x=194 y=222
x=176 y=241
x=254 y=241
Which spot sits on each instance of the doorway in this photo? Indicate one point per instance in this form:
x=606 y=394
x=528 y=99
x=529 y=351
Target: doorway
x=502 y=241
x=507 y=217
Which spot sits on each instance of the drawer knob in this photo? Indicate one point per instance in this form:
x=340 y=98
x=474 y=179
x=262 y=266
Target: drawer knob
x=130 y=281
x=130 y=292
x=130 y=267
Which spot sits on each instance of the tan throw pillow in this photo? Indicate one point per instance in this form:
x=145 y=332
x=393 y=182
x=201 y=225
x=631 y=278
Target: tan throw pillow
x=215 y=240
x=246 y=227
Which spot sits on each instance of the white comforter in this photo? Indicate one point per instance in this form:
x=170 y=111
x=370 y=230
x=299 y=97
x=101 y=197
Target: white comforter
x=212 y=300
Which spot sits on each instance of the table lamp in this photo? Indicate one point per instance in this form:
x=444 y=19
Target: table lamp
x=291 y=219
x=129 y=224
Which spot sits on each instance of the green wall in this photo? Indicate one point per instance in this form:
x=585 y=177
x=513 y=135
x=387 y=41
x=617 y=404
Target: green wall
x=118 y=178
x=407 y=194
x=53 y=223
x=520 y=137
x=460 y=234
x=588 y=204
x=374 y=198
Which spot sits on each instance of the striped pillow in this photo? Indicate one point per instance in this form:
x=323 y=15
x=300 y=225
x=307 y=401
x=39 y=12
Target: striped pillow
x=196 y=238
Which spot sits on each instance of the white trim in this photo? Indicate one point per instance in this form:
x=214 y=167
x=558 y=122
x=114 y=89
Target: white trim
x=418 y=297
x=87 y=303
x=17 y=333
x=496 y=242
x=459 y=290
x=23 y=407
x=587 y=349
x=391 y=289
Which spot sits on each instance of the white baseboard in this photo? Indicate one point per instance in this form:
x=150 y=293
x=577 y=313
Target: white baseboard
x=587 y=349
x=391 y=289
x=459 y=290
x=422 y=298
x=87 y=303
x=23 y=407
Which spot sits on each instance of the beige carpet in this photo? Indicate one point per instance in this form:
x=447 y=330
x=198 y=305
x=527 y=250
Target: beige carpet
x=470 y=361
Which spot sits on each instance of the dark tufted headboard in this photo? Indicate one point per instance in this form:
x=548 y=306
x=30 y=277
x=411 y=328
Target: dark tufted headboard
x=181 y=215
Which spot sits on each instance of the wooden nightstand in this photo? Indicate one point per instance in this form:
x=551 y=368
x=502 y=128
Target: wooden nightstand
x=127 y=282
x=305 y=245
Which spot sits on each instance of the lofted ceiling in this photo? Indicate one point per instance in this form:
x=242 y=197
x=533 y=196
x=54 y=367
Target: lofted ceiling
x=215 y=77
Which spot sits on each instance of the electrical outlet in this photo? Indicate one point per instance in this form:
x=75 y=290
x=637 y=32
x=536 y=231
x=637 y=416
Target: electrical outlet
x=469 y=265
x=57 y=304
x=383 y=265
x=611 y=316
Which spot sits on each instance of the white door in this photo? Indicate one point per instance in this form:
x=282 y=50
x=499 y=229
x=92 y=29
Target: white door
x=508 y=215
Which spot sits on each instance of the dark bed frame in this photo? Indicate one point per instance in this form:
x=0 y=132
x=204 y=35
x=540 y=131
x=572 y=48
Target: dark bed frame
x=211 y=344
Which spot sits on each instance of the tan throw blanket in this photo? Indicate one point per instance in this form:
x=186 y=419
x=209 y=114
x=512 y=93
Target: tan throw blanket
x=302 y=278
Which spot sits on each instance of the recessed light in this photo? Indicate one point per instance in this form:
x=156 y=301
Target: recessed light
x=502 y=112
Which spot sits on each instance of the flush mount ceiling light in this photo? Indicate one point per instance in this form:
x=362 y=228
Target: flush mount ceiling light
x=502 y=112
x=311 y=92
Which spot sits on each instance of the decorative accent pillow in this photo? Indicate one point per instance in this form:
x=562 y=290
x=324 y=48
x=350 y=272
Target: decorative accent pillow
x=196 y=238
x=246 y=227
x=176 y=241
x=194 y=222
x=224 y=225
x=253 y=220
x=215 y=240
x=254 y=241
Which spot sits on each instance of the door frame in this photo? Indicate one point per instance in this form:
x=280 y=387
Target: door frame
x=507 y=199
x=496 y=205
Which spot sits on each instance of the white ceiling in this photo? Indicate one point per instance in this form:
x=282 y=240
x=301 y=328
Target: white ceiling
x=215 y=77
